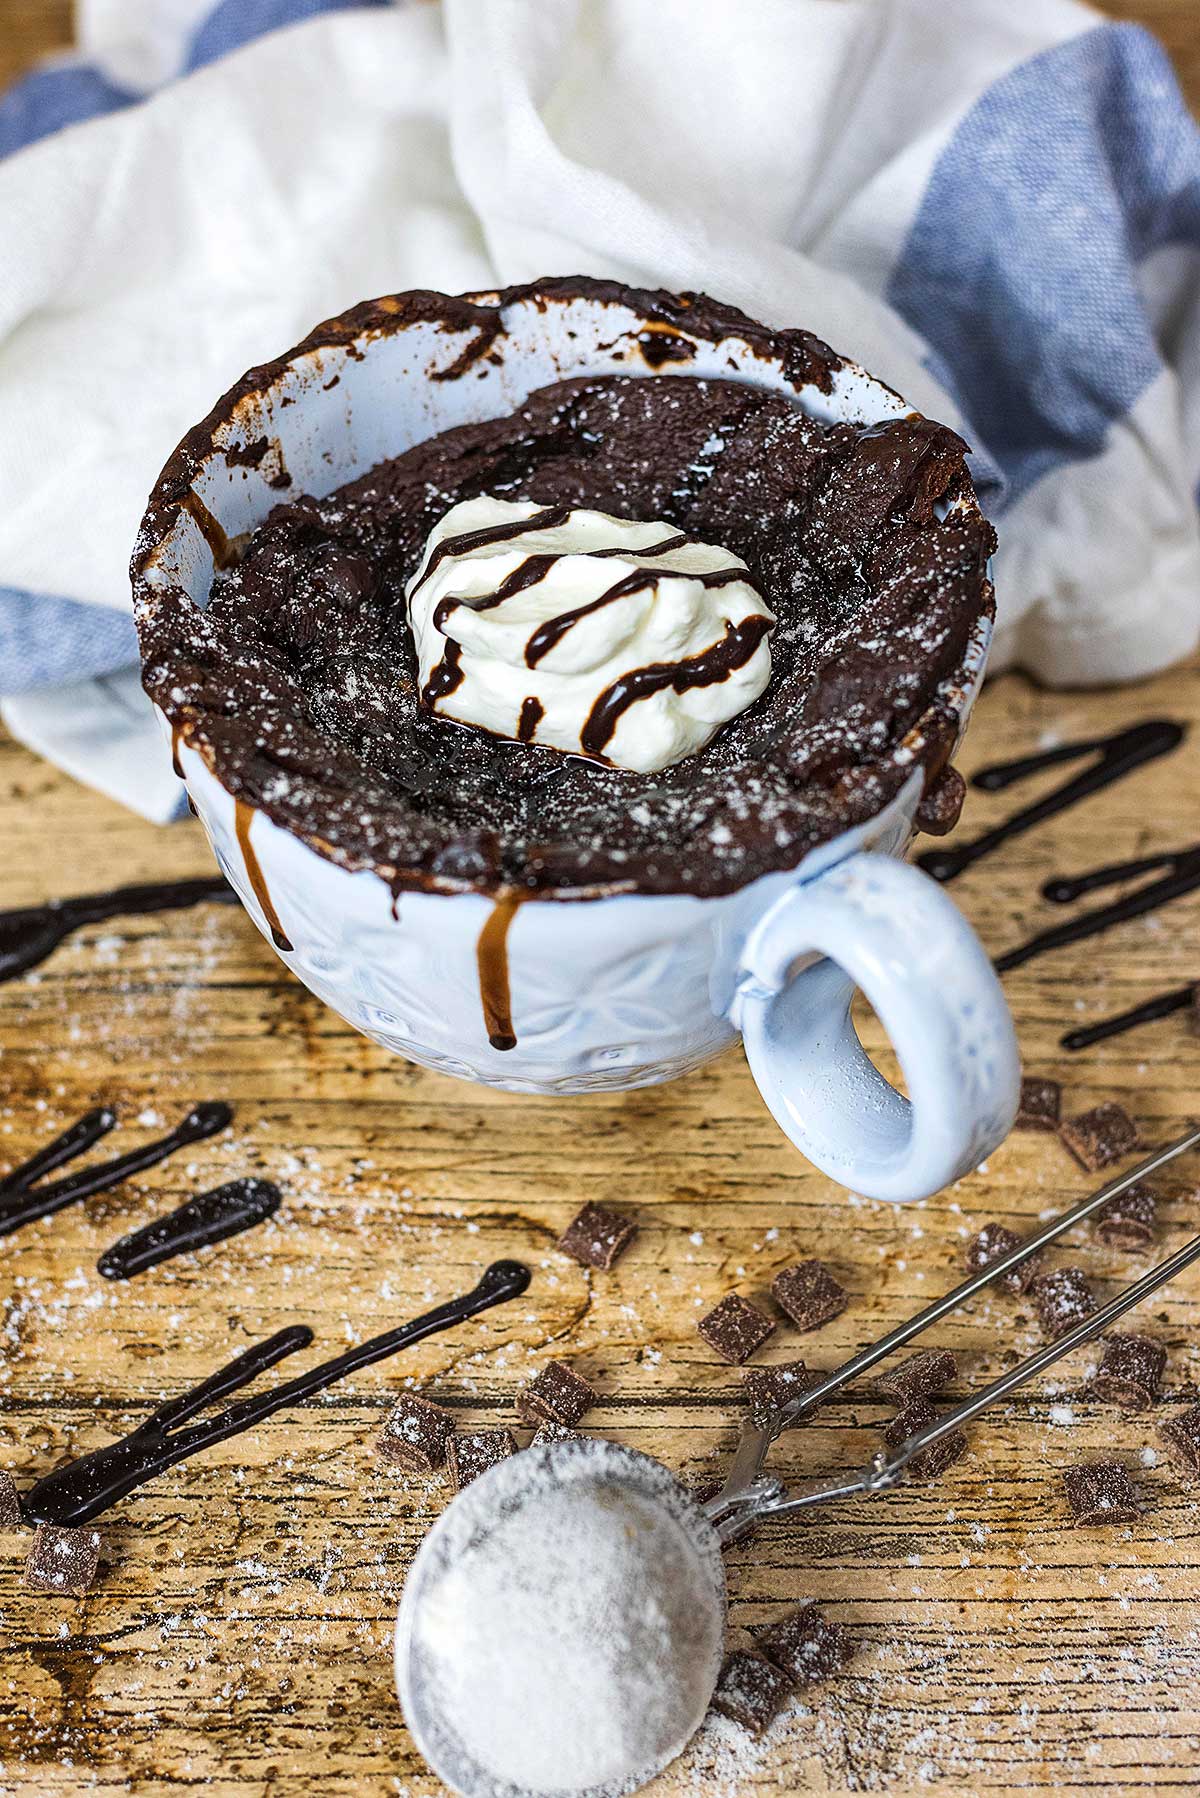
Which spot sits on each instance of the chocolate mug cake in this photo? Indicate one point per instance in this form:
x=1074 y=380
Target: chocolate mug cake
x=299 y=680
x=543 y=663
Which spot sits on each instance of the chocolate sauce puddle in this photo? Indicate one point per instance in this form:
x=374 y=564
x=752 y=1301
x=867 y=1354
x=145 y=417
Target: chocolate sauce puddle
x=491 y=954
x=78 y=1492
x=1116 y=756
x=21 y=1202
x=1161 y=1006
x=243 y=817
x=28 y=934
x=1182 y=876
x=210 y=1217
x=714 y=664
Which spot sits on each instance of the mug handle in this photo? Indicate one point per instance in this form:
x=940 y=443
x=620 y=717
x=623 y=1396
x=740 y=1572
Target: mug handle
x=879 y=924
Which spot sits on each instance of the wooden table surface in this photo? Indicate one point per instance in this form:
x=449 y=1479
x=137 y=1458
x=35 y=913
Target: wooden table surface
x=239 y=1637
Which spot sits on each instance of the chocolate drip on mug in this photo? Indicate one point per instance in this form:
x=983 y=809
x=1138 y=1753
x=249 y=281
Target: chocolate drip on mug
x=1161 y=1006
x=532 y=713
x=30 y=933
x=80 y=1491
x=243 y=817
x=26 y=1203
x=1182 y=876
x=491 y=954
x=714 y=664
x=1116 y=756
x=225 y=550
x=176 y=739
x=211 y=1217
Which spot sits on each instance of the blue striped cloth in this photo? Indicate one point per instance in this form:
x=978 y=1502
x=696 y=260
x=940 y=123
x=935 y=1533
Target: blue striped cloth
x=1045 y=268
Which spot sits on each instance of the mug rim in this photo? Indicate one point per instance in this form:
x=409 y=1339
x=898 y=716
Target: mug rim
x=806 y=365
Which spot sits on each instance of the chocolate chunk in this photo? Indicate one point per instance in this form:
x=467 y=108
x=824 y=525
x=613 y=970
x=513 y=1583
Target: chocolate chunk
x=1130 y=1372
x=767 y=1389
x=941 y=803
x=595 y=1236
x=921 y=1376
x=991 y=1244
x=62 y=1560
x=11 y=1515
x=750 y=1690
x=474 y=1451
x=415 y=1434
x=1062 y=1299
x=809 y=1294
x=1130 y=1219
x=1182 y=1436
x=554 y=1432
x=1040 y=1105
x=933 y=1460
x=556 y=1395
x=805 y=1645
x=735 y=1328
x=1101 y=1492
x=1100 y=1136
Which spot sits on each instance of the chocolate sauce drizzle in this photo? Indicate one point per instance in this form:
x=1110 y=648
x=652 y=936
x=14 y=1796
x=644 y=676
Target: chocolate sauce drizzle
x=714 y=664
x=532 y=713
x=81 y=1490
x=30 y=933
x=243 y=817
x=1182 y=876
x=1115 y=757
x=491 y=954
x=210 y=1217
x=23 y=1202
x=1147 y=1013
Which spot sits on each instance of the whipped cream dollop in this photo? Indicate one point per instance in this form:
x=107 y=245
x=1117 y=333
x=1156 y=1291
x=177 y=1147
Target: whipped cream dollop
x=586 y=633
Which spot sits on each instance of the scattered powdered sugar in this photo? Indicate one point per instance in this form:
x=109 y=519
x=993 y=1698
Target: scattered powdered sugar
x=566 y=1623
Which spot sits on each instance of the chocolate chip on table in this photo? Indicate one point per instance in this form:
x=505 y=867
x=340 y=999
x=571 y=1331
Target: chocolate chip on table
x=554 y=1432
x=767 y=1389
x=62 y=1560
x=473 y=1451
x=415 y=1434
x=1100 y=1136
x=991 y=1244
x=935 y=1459
x=1062 y=1299
x=1040 y=1105
x=11 y=1515
x=1182 y=1437
x=1130 y=1371
x=809 y=1294
x=596 y=1236
x=735 y=1328
x=921 y=1376
x=805 y=1645
x=1130 y=1219
x=556 y=1395
x=750 y=1691
x=1101 y=1492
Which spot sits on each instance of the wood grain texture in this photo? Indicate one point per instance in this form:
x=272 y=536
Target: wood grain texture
x=239 y=1639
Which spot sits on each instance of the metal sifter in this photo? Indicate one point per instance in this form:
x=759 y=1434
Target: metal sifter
x=666 y=1600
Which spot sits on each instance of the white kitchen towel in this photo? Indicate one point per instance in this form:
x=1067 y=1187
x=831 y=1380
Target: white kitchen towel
x=995 y=206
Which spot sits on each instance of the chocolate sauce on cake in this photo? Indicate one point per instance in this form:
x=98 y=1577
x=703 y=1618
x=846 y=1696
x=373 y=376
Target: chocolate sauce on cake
x=298 y=683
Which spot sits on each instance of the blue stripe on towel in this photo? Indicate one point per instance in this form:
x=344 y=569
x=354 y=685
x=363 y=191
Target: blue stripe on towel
x=1020 y=270
x=46 y=642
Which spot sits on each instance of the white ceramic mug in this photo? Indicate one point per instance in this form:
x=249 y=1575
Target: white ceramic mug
x=625 y=990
